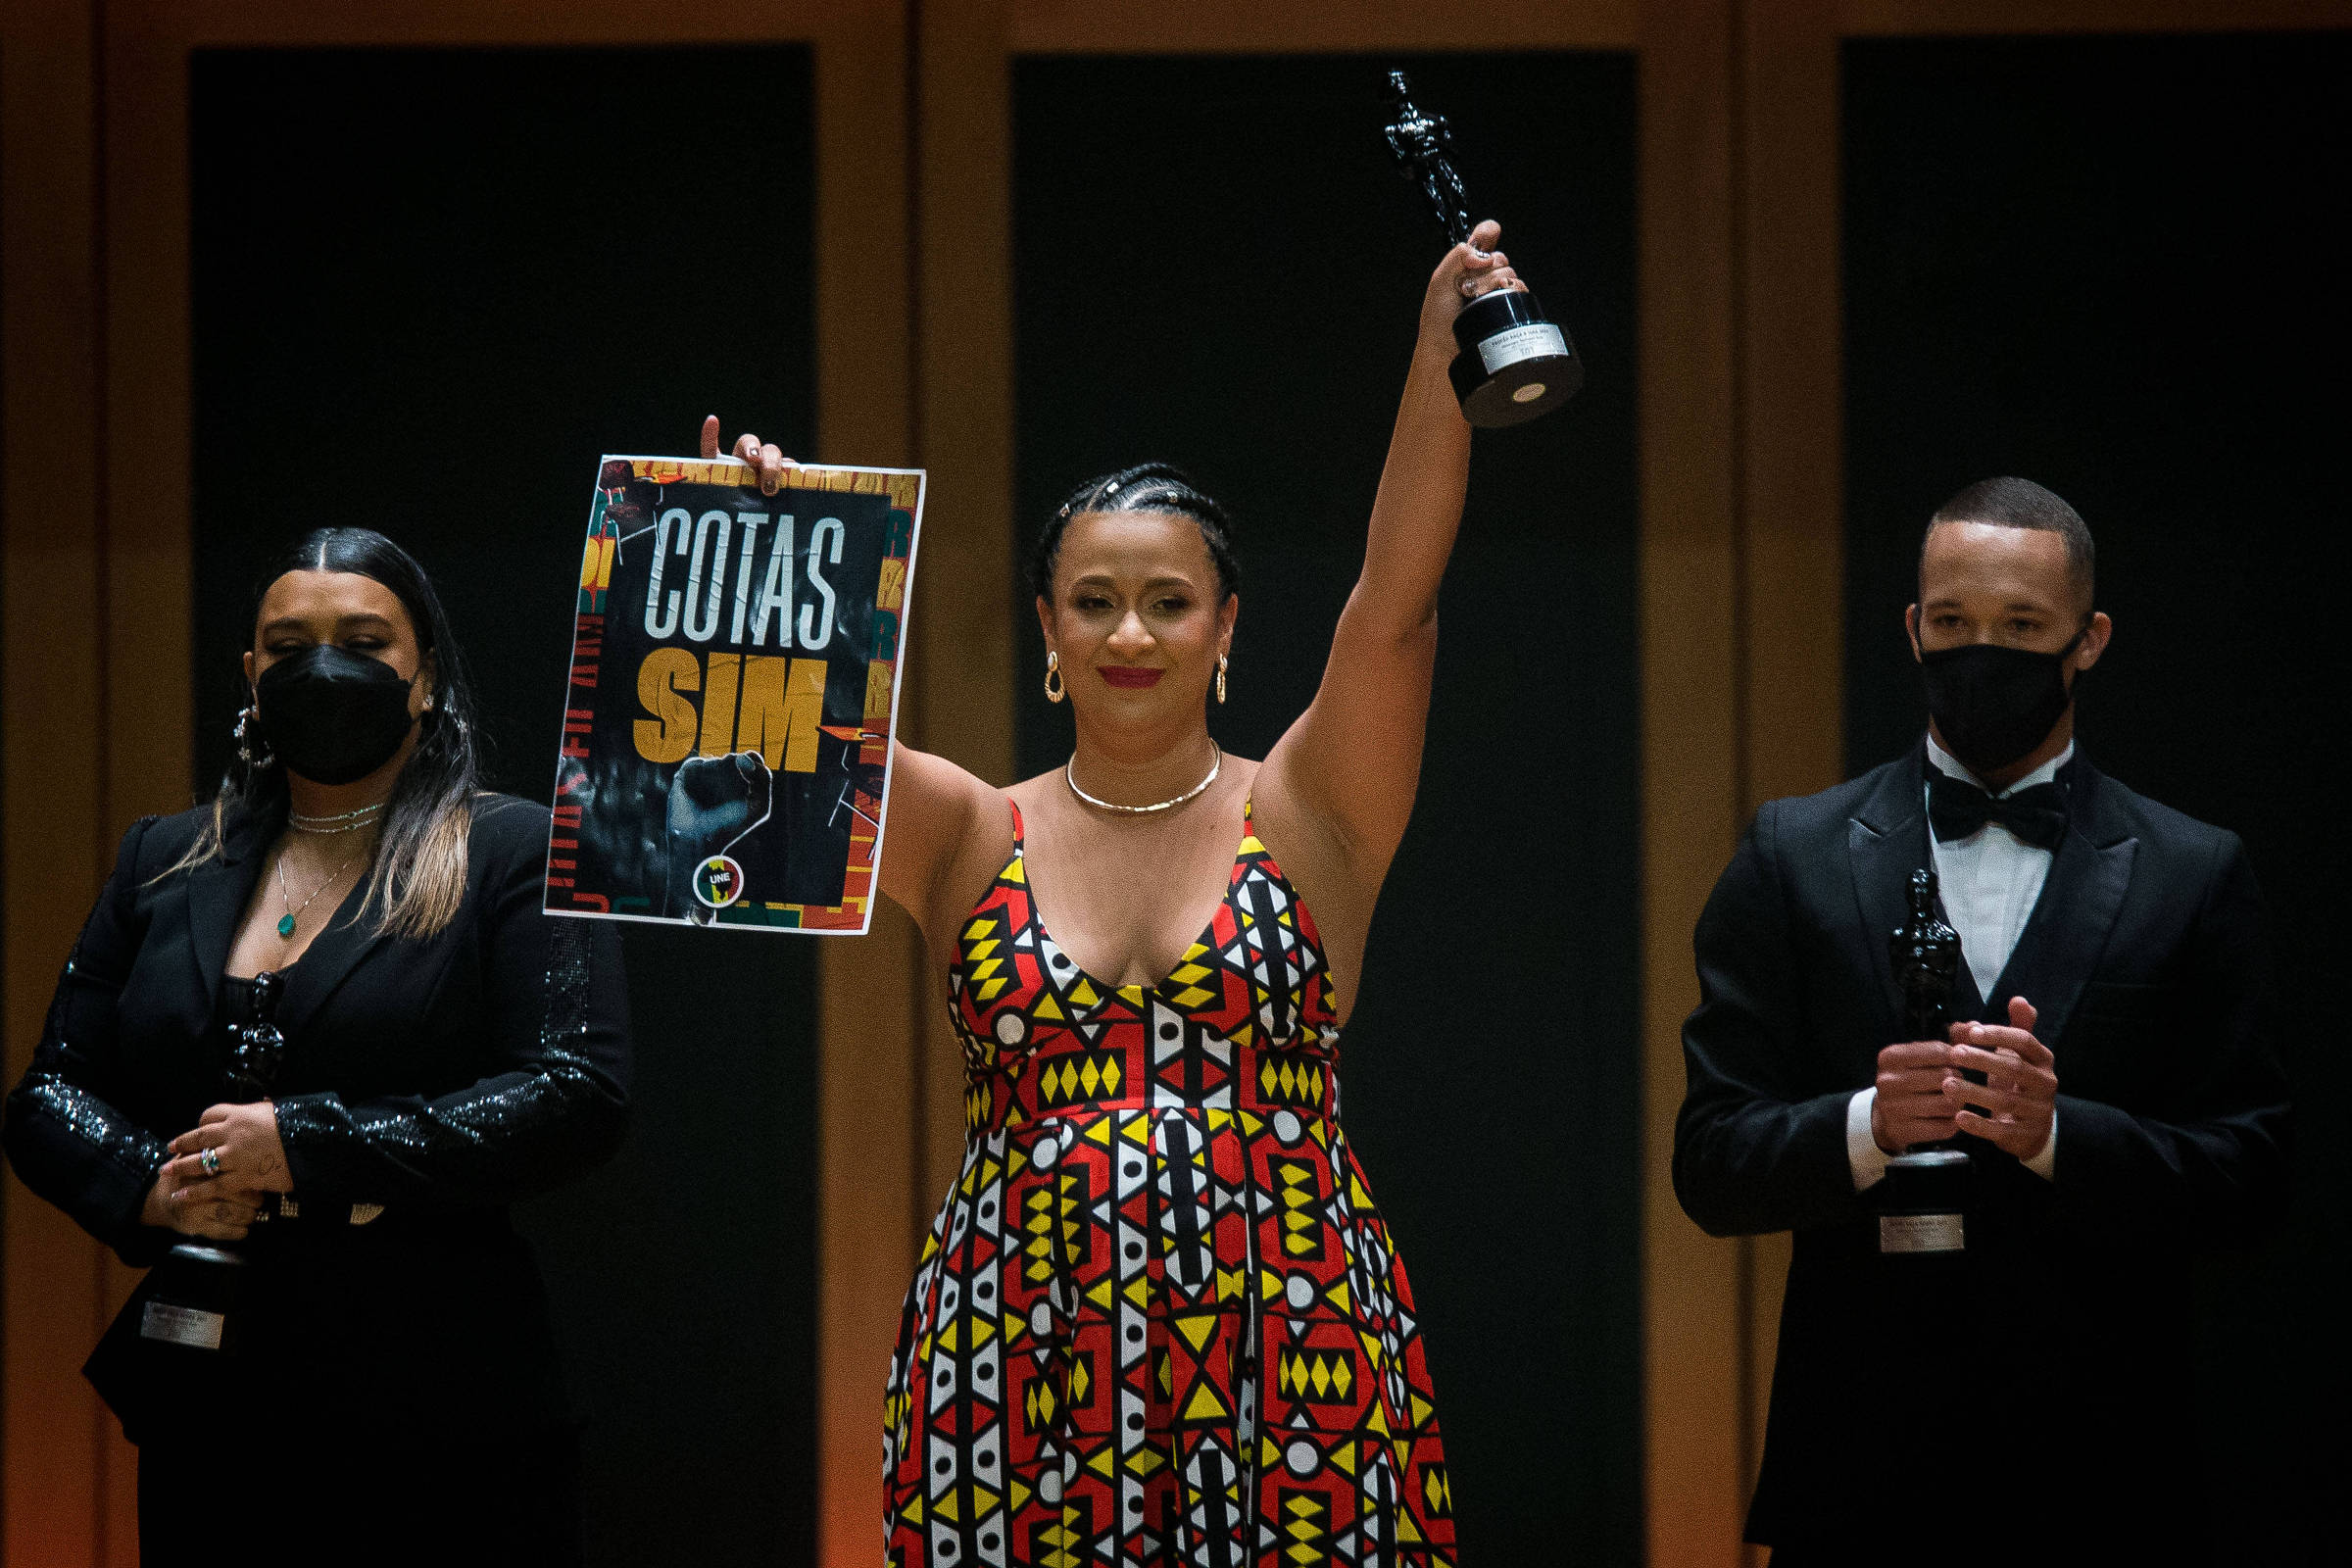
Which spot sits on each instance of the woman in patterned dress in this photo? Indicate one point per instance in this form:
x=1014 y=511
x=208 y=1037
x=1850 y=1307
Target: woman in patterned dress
x=1159 y=1320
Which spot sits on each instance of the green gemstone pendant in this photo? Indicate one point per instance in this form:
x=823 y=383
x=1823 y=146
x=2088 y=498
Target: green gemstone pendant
x=286 y=926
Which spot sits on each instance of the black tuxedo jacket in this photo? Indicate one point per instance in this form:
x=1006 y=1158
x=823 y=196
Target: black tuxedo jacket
x=2043 y=1380
x=436 y=1079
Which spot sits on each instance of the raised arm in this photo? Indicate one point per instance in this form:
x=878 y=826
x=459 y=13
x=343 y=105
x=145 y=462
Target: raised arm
x=939 y=823
x=1351 y=762
x=944 y=833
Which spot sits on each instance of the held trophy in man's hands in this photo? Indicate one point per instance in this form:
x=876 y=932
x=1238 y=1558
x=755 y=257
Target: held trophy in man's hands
x=1514 y=364
x=1927 y=1189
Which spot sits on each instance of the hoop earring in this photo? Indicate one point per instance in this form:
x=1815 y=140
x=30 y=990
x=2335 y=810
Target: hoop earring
x=1221 y=677
x=1056 y=688
x=243 y=733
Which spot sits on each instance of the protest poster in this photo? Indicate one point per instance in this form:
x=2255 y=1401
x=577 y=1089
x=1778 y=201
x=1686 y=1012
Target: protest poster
x=733 y=693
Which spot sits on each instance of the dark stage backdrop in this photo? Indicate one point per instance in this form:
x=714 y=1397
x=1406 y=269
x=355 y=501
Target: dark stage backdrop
x=1216 y=264
x=430 y=288
x=2117 y=267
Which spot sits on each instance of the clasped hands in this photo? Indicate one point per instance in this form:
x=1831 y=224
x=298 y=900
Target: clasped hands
x=1923 y=1098
x=216 y=1197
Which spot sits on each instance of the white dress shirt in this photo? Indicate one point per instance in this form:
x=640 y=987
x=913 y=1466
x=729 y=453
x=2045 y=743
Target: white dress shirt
x=1989 y=882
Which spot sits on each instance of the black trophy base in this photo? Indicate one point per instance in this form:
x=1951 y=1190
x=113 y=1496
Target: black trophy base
x=1923 y=1204
x=1514 y=364
x=172 y=1348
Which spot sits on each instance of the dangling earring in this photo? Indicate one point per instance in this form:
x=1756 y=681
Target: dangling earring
x=1056 y=690
x=1221 y=677
x=243 y=732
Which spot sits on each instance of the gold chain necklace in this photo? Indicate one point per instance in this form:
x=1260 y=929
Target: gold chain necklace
x=1069 y=779
x=286 y=926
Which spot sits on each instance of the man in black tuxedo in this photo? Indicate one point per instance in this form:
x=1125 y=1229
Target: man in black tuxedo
x=2029 y=1398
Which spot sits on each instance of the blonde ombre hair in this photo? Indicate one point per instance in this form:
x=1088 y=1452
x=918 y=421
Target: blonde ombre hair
x=417 y=881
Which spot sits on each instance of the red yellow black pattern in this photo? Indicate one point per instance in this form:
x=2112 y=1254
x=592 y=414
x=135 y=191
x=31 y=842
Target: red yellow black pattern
x=1159 y=1320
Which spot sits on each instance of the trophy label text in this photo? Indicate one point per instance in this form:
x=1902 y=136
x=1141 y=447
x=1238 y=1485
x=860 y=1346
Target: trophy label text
x=1532 y=341
x=1921 y=1233
x=181 y=1325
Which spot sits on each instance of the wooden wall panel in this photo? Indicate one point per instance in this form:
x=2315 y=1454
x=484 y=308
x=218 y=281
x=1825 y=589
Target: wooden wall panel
x=1791 y=474
x=1691 y=1353
x=873 y=1037
x=1792 y=488
x=1243 y=27
x=964 y=413
x=56 y=840
x=147 y=549
x=1929 y=18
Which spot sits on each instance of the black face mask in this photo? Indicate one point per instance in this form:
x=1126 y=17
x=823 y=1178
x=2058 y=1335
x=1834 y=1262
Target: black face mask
x=332 y=717
x=1992 y=704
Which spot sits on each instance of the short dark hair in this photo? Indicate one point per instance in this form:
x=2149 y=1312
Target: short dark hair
x=2008 y=501
x=1145 y=487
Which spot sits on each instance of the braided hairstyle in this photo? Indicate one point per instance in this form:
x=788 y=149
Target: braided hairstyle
x=1145 y=487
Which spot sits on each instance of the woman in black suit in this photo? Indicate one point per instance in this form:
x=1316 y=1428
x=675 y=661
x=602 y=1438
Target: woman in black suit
x=392 y=1390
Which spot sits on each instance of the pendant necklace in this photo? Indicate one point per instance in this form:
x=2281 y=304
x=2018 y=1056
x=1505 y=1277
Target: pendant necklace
x=1071 y=779
x=286 y=926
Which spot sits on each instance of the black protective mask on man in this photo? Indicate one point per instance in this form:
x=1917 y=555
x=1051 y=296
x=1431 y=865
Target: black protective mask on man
x=332 y=717
x=1992 y=704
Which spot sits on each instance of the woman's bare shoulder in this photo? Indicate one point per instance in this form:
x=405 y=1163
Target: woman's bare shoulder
x=969 y=853
x=1032 y=792
x=1310 y=844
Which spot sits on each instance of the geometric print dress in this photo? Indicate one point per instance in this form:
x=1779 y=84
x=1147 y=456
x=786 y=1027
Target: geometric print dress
x=1159 y=1320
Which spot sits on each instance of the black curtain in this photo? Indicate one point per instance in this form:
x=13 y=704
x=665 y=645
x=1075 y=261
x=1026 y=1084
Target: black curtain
x=2116 y=266
x=430 y=289
x=1216 y=264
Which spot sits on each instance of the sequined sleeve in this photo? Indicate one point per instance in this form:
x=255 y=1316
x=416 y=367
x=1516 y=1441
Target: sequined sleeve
x=66 y=1134
x=557 y=1024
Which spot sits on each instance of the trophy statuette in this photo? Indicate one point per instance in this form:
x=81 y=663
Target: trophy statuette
x=193 y=1302
x=1927 y=1189
x=1513 y=363
x=177 y=1341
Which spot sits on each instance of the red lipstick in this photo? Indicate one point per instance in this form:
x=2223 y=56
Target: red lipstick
x=1130 y=676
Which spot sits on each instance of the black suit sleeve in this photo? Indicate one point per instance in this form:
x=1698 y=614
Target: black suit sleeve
x=553 y=1100
x=2224 y=1161
x=1751 y=1153
x=65 y=1135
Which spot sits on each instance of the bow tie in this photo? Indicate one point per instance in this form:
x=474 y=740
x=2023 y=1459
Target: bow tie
x=1957 y=808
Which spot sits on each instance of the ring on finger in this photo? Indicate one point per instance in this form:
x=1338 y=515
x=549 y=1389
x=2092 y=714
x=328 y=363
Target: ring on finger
x=209 y=1159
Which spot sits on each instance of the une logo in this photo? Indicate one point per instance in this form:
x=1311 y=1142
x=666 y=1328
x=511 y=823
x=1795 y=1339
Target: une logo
x=718 y=882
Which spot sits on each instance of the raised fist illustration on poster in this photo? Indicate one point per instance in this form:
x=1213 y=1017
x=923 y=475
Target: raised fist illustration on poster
x=714 y=802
